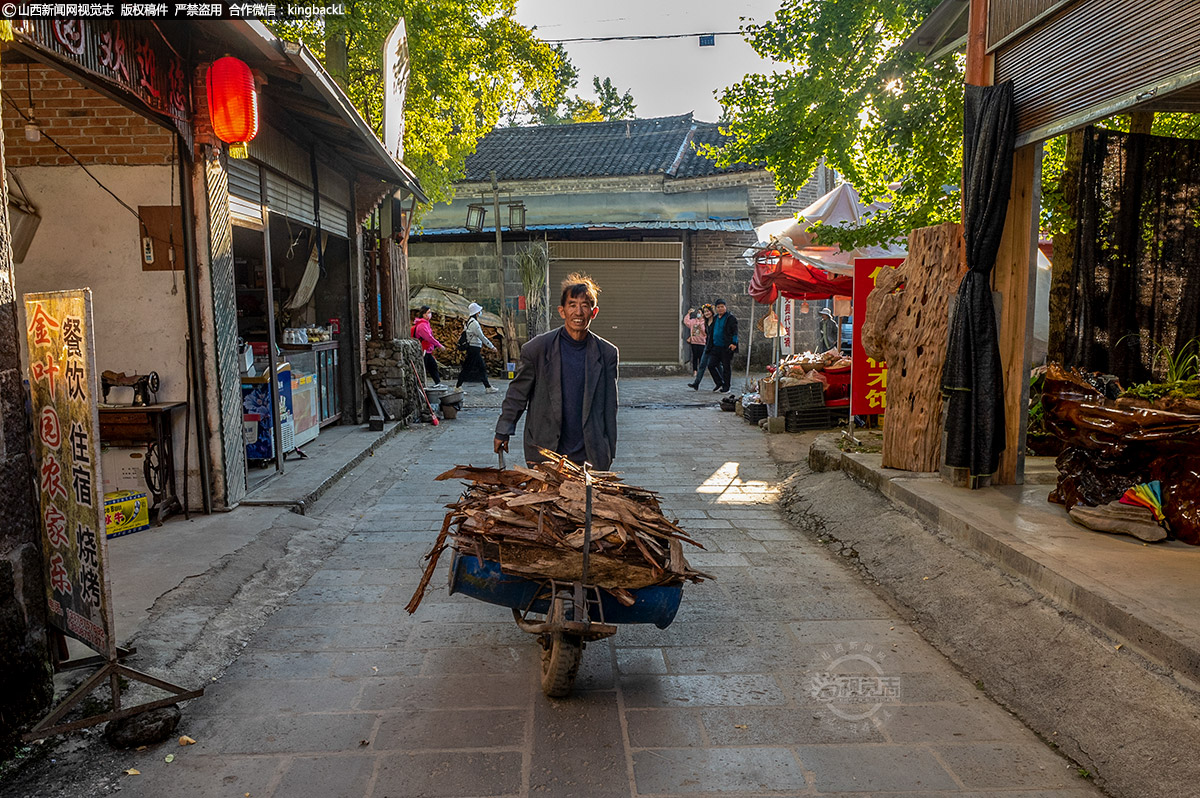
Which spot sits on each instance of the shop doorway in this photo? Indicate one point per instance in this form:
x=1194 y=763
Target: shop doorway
x=291 y=316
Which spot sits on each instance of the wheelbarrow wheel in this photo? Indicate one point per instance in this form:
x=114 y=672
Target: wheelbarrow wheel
x=560 y=654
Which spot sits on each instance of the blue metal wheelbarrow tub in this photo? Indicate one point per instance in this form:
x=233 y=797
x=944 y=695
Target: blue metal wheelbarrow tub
x=482 y=579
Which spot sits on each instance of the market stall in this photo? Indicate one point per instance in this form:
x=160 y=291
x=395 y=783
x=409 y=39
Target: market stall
x=810 y=389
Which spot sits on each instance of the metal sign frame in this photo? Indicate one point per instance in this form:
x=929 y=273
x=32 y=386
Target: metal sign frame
x=62 y=381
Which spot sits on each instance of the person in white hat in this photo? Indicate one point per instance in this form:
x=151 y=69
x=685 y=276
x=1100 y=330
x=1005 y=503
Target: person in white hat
x=827 y=328
x=473 y=367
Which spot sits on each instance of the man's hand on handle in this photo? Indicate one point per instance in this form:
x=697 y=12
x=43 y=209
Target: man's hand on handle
x=501 y=445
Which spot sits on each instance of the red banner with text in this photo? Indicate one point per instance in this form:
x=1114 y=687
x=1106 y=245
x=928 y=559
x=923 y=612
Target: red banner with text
x=868 y=377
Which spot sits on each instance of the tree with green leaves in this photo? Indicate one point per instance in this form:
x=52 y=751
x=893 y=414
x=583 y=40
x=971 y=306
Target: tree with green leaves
x=890 y=123
x=471 y=64
x=609 y=104
x=553 y=106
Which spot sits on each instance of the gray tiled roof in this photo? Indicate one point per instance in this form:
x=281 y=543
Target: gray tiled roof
x=663 y=145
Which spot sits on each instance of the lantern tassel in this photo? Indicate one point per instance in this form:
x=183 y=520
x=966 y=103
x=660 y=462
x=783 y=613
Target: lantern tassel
x=238 y=149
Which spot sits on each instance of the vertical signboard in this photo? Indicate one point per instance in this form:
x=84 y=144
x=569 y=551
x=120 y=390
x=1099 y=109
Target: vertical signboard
x=868 y=377
x=62 y=373
x=395 y=84
x=787 y=321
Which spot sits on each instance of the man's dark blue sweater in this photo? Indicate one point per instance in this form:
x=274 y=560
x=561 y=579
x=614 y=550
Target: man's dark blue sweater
x=574 y=368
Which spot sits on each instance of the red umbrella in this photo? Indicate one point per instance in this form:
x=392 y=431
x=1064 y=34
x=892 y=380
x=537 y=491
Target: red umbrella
x=778 y=273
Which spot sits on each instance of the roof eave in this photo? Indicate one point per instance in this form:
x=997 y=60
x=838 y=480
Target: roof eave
x=302 y=59
x=943 y=31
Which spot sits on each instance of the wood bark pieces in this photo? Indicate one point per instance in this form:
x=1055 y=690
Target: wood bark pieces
x=531 y=498
x=484 y=476
x=676 y=564
x=906 y=326
x=532 y=520
x=605 y=571
x=432 y=558
x=623 y=596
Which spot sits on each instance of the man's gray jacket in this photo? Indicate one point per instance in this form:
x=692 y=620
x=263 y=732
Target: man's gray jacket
x=537 y=388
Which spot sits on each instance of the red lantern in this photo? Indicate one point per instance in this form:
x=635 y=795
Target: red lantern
x=232 y=103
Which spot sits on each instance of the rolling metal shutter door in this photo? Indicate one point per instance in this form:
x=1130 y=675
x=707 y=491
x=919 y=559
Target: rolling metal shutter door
x=1120 y=53
x=245 y=200
x=283 y=196
x=639 y=299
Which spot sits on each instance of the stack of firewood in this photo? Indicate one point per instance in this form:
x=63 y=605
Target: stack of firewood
x=533 y=521
x=447 y=329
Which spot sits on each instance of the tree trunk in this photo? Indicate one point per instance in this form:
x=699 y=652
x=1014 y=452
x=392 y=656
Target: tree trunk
x=1063 y=263
x=1141 y=121
x=337 y=60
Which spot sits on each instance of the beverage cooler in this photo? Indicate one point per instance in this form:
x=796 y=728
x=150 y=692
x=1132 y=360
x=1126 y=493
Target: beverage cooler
x=258 y=416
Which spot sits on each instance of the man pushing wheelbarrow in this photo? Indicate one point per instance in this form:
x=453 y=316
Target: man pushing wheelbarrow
x=566 y=382
x=561 y=541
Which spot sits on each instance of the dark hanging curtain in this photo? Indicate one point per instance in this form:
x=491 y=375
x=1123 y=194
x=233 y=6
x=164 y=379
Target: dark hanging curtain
x=1136 y=275
x=972 y=379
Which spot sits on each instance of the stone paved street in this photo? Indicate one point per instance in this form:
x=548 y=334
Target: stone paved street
x=768 y=682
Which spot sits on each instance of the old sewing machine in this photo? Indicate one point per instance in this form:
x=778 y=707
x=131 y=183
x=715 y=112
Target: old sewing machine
x=143 y=385
x=144 y=423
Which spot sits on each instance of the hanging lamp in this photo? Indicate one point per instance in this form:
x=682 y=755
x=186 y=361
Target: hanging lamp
x=232 y=103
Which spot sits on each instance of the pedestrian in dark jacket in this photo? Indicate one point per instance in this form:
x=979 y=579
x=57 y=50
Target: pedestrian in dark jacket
x=474 y=368
x=567 y=381
x=724 y=342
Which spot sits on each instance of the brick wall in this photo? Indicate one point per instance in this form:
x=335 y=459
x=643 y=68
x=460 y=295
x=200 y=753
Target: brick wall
x=95 y=129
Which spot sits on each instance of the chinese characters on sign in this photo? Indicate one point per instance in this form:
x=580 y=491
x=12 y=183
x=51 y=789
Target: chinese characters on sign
x=868 y=377
x=786 y=321
x=66 y=443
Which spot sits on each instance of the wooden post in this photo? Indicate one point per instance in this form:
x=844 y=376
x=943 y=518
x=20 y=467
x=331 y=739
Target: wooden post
x=979 y=63
x=387 y=274
x=1014 y=279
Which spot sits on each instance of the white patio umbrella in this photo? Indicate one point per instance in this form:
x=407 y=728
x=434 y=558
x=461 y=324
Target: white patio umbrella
x=840 y=207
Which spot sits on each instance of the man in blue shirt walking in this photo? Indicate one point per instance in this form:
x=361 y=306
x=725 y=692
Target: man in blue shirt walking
x=567 y=380
x=723 y=344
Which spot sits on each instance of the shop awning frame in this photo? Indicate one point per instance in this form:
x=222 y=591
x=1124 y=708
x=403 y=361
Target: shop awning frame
x=323 y=107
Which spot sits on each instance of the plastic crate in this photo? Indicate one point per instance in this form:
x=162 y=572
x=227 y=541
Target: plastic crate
x=754 y=413
x=812 y=418
x=801 y=397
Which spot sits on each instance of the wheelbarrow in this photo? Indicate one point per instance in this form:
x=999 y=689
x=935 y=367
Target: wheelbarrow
x=565 y=616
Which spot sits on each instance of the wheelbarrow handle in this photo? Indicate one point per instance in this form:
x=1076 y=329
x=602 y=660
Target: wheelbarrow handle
x=587 y=528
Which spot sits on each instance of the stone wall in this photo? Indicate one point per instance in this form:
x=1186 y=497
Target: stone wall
x=469 y=265
x=24 y=659
x=390 y=369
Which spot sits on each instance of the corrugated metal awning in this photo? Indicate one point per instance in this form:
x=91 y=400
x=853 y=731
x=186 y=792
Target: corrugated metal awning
x=721 y=225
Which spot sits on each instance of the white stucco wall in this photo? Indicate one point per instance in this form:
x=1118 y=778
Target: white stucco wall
x=88 y=240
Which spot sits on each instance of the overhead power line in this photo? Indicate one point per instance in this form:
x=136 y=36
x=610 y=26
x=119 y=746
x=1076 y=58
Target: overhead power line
x=642 y=38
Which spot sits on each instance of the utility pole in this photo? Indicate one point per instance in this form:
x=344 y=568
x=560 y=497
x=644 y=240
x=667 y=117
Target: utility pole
x=500 y=265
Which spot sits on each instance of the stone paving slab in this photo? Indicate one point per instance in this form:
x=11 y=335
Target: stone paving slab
x=343 y=694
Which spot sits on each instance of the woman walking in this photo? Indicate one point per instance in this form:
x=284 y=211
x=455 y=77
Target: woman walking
x=422 y=330
x=708 y=315
x=695 y=339
x=473 y=367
